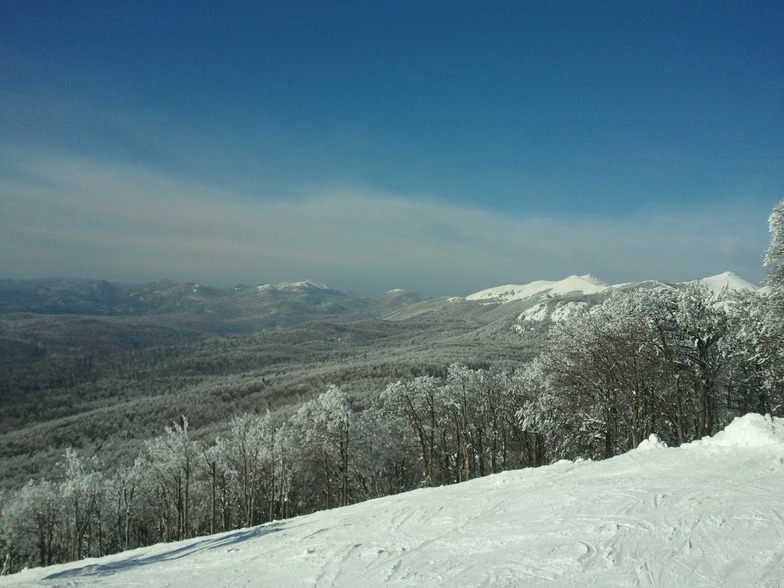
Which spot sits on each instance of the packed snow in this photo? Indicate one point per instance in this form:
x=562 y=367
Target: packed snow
x=710 y=513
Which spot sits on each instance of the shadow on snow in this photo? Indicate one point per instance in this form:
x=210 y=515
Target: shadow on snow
x=110 y=568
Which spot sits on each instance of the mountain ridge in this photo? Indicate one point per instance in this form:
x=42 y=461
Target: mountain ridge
x=589 y=284
x=315 y=299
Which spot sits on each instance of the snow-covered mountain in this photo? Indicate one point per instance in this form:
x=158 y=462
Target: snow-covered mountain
x=557 y=302
x=588 y=284
x=728 y=281
x=296 y=286
x=709 y=513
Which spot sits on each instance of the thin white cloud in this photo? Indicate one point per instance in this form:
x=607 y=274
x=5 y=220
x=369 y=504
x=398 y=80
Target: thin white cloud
x=62 y=216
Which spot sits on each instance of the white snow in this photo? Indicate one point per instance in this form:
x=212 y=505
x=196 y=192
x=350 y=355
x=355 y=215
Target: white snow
x=728 y=281
x=747 y=431
x=589 y=284
x=293 y=286
x=651 y=443
x=707 y=514
x=586 y=284
x=563 y=311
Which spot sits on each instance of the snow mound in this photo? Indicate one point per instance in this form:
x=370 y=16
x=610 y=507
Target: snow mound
x=751 y=430
x=586 y=284
x=651 y=443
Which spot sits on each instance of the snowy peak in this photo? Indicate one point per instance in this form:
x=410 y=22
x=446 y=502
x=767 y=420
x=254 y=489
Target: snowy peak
x=586 y=284
x=728 y=281
x=305 y=285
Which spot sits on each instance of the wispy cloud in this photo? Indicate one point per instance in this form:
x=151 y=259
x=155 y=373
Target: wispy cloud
x=71 y=217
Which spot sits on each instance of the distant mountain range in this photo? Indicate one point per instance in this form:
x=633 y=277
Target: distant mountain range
x=237 y=308
x=102 y=298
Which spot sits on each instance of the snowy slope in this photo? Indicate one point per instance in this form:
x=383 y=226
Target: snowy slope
x=707 y=514
x=589 y=284
x=307 y=284
x=728 y=281
x=586 y=284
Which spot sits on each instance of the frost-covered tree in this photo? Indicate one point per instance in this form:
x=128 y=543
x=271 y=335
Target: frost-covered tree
x=774 y=256
x=491 y=391
x=215 y=465
x=544 y=418
x=284 y=459
x=169 y=462
x=463 y=425
x=600 y=368
x=82 y=494
x=461 y=396
x=480 y=407
x=323 y=427
x=420 y=402
x=754 y=350
x=387 y=459
x=122 y=488
x=644 y=361
x=32 y=524
x=248 y=455
x=690 y=324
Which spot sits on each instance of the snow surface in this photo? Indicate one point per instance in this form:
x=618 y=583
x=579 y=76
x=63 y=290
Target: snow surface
x=710 y=513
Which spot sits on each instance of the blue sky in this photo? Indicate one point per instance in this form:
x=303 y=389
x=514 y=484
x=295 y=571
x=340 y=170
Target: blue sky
x=443 y=147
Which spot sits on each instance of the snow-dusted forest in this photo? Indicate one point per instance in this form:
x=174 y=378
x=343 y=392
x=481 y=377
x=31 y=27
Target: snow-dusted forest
x=678 y=361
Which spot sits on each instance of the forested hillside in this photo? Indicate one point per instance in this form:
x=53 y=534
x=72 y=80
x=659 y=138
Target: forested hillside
x=111 y=381
x=166 y=411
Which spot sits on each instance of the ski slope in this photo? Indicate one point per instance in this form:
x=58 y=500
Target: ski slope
x=706 y=514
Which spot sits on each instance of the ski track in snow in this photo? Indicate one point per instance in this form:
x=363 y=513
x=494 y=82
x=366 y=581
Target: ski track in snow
x=707 y=514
